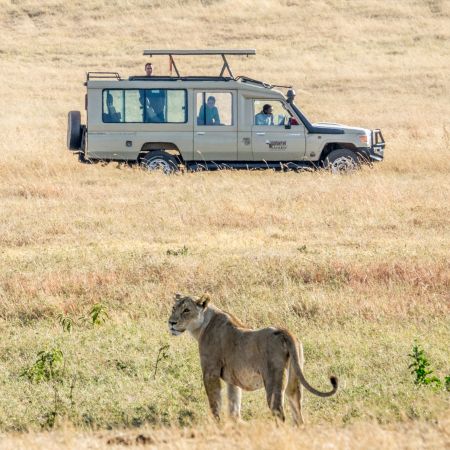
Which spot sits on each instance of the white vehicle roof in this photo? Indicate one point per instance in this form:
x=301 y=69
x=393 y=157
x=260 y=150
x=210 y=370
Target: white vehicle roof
x=253 y=87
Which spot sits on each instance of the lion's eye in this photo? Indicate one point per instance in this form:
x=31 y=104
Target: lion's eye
x=186 y=311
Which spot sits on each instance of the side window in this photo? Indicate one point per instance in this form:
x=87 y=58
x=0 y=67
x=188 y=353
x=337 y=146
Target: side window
x=176 y=106
x=270 y=112
x=133 y=111
x=215 y=108
x=144 y=105
x=154 y=105
x=113 y=105
x=163 y=105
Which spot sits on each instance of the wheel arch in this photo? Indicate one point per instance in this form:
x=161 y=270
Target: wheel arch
x=168 y=147
x=331 y=146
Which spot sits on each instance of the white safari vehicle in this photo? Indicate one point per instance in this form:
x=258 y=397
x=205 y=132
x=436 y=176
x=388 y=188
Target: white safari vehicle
x=209 y=122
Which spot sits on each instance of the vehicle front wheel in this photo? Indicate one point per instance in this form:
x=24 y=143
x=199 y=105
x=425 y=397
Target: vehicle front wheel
x=341 y=161
x=160 y=161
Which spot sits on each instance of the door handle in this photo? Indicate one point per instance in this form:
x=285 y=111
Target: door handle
x=200 y=133
x=294 y=134
x=260 y=134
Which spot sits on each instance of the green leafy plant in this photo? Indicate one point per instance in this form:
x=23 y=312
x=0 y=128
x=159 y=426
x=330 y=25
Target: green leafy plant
x=48 y=366
x=98 y=314
x=66 y=322
x=420 y=367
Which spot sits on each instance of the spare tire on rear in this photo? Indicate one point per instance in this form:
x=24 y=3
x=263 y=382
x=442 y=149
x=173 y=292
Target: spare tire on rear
x=74 y=133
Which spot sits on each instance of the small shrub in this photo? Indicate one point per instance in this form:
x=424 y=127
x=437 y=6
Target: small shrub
x=421 y=368
x=98 y=314
x=66 y=323
x=49 y=366
x=447 y=383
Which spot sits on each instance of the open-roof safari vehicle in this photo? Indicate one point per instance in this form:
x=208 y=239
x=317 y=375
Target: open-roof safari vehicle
x=165 y=122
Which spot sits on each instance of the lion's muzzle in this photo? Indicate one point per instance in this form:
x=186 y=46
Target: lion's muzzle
x=173 y=330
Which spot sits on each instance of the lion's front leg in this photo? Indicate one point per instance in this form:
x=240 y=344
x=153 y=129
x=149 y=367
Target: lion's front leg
x=234 y=401
x=213 y=391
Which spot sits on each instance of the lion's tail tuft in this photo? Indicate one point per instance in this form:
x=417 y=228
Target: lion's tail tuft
x=294 y=349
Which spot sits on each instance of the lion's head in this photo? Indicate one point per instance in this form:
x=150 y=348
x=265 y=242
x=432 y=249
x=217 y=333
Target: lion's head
x=187 y=313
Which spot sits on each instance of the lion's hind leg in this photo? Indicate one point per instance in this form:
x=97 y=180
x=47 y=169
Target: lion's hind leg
x=294 y=391
x=234 y=400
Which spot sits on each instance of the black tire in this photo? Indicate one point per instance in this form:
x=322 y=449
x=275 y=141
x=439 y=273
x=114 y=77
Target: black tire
x=160 y=161
x=341 y=161
x=74 y=132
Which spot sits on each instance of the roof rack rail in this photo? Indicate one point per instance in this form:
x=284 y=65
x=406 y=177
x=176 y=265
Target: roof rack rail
x=187 y=78
x=246 y=52
x=262 y=83
x=222 y=53
x=91 y=75
x=252 y=80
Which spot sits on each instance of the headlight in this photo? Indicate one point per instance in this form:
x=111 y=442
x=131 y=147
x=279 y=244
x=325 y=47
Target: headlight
x=363 y=139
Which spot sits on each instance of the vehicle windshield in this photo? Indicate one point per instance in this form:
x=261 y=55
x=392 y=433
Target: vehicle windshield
x=299 y=113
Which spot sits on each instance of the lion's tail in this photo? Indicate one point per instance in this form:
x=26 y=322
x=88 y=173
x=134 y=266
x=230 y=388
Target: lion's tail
x=295 y=349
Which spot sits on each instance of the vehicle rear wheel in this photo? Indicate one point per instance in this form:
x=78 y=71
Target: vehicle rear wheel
x=341 y=160
x=74 y=131
x=160 y=161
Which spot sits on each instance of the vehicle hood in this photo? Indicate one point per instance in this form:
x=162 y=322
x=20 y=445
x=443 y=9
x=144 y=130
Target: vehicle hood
x=338 y=126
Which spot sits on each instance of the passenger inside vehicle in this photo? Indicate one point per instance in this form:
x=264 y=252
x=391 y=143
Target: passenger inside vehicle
x=148 y=69
x=209 y=114
x=111 y=114
x=155 y=110
x=265 y=117
x=153 y=105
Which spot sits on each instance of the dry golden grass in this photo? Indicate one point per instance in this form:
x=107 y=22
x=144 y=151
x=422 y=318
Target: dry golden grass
x=356 y=266
x=254 y=435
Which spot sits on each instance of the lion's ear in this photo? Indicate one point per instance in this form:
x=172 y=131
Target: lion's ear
x=178 y=296
x=203 y=301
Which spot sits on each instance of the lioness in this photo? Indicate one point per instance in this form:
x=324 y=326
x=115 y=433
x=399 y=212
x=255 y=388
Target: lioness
x=244 y=358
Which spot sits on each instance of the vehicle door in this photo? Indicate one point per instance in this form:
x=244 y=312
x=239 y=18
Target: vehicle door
x=272 y=139
x=215 y=125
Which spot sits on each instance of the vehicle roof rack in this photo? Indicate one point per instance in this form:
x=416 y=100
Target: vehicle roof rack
x=188 y=78
x=223 y=53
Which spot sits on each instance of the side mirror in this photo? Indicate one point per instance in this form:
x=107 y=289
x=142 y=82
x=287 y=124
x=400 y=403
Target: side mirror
x=288 y=124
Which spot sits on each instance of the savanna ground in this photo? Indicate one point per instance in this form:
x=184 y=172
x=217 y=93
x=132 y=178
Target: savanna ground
x=356 y=266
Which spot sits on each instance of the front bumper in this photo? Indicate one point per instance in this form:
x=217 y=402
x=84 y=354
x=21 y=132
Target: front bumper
x=376 y=152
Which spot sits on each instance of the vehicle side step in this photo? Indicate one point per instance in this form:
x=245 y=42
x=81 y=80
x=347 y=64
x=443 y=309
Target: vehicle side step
x=249 y=165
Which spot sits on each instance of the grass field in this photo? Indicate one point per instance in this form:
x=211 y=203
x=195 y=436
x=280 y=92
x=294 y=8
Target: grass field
x=356 y=266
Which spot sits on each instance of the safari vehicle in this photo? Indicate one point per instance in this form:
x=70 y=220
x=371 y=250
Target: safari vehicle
x=209 y=122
